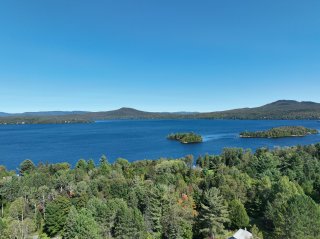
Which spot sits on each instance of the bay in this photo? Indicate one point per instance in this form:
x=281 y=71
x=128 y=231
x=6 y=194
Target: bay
x=134 y=139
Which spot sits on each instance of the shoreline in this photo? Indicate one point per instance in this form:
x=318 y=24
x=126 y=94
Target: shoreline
x=289 y=136
x=145 y=119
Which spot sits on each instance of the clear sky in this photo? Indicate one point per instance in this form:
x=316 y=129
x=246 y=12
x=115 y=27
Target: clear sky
x=167 y=55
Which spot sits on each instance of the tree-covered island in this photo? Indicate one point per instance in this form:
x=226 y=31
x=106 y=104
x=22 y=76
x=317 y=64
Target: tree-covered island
x=280 y=132
x=186 y=138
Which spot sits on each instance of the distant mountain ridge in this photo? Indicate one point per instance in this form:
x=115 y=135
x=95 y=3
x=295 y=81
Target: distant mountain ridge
x=282 y=109
x=44 y=113
x=2 y=114
x=123 y=110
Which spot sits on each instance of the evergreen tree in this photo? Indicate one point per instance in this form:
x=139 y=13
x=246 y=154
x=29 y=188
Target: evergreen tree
x=256 y=233
x=177 y=215
x=71 y=223
x=238 y=215
x=90 y=165
x=105 y=213
x=129 y=224
x=26 y=166
x=176 y=222
x=300 y=218
x=213 y=214
x=56 y=214
x=105 y=166
x=154 y=209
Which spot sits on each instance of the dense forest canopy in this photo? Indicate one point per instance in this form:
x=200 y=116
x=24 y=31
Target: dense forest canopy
x=274 y=194
x=280 y=132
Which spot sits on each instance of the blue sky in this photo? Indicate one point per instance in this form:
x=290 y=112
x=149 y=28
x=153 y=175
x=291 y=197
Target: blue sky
x=167 y=55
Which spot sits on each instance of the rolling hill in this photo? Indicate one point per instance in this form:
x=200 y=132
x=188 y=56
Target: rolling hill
x=282 y=109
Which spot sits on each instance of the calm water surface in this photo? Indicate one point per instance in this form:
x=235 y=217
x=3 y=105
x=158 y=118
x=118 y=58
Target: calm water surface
x=133 y=139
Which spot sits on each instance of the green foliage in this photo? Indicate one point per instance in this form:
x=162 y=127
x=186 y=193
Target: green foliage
x=3 y=229
x=4 y=173
x=154 y=209
x=26 y=166
x=162 y=199
x=56 y=213
x=213 y=214
x=82 y=164
x=238 y=215
x=81 y=225
x=297 y=217
x=176 y=220
x=17 y=209
x=44 y=236
x=186 y=138
x=280 y=132
x=129 y=223
x=21 y=229
x=256 y=233
x=105 y=167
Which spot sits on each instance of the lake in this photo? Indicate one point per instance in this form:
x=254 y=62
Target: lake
x=134 y=139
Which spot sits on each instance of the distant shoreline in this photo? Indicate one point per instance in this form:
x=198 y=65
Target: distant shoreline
x=278 y=110
x=290 y=136
x=142 y=119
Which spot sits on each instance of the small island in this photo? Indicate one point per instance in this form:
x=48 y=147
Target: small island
x=280 y=132
x=186 y=138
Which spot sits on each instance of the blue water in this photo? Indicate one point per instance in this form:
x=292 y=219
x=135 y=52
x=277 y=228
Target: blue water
x=133 y=139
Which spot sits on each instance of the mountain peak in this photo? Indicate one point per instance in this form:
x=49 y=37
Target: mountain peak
x=291 y=103
x=126 y=108
x=284 y=102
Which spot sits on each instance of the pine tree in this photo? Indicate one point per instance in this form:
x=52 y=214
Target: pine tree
x=154 y=210
x=213 y=214
x=177 y=215
x=71 y=223
x=256 y=233
x=56 y=214
x=129 y=224
x=26 y=166
x=301 y=218
x=238 y=215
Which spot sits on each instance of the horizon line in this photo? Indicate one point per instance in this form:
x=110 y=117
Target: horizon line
x=150 y=111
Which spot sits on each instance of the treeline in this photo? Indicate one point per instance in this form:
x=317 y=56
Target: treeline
x=280 y=132
x=43 y=120
x=274 y=194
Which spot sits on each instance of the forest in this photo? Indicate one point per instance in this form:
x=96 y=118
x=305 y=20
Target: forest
x=280 y=132
x=273 y=193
